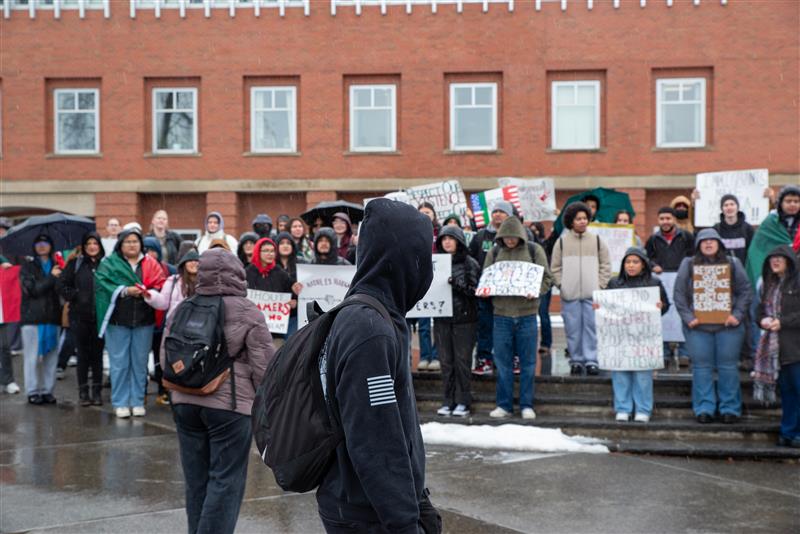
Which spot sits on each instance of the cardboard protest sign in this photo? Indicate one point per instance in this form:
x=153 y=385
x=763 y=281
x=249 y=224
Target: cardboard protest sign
x=748 y=186
x=671 y=324
x=618 y=238
x=274 y=306
x=628 y=324
x=482 y=203
x=712 y=295
x=537 y=197
x=446 y=198
x=10 y=295
x=326 y=284
x=511 y=279
x=438 y=301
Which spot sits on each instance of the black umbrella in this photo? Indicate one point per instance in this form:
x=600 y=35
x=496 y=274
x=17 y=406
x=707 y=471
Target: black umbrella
x=66 y=231
x=325 y=211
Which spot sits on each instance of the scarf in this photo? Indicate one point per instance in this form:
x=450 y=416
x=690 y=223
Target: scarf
x=47 y=333
x=256 y=258
x=766 y=365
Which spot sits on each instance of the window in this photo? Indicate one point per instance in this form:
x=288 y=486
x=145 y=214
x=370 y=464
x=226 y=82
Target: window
x=473 y=116
x=575 y=115
x=373 y=123
x=175 y=121
x=273 y=121
x=77 y=118
x=681 y=112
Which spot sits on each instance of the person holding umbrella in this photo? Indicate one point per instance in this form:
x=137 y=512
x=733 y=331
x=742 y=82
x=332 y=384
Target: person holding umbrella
x=41 y=320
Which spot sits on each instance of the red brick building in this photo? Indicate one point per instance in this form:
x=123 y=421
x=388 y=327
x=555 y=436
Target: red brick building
x=120 y=107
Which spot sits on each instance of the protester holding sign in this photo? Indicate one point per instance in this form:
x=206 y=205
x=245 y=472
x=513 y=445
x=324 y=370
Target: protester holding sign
x=633 y=390
x=263 y=275
x=712 y=295
x=581 y=265
x=515 y=328
x=455 y=336
x=733 y=228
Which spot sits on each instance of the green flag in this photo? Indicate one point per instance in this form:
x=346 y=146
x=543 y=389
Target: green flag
x=769 y=235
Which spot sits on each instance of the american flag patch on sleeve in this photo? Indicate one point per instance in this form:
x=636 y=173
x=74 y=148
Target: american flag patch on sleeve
x=381 y=390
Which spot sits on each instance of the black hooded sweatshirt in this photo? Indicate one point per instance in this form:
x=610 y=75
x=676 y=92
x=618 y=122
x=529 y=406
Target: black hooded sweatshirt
x=789 y=334
x=76 y=284
x=645 y=279
x=332 y=257
x=464 y=276
x=736 y=237
x=379 y=471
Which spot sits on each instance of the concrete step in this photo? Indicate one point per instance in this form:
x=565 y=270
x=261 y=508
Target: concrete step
x=707 y=449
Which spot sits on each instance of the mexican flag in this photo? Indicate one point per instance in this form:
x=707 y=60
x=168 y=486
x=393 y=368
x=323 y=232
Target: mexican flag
x=10 y=295
x=481 y=203
x=113 y=276
x=769 y=235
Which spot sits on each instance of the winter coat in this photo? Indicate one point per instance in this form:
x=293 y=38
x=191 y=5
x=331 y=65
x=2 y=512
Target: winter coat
x=789 y=334
x=40 y=302
x=332 y=258
x=482 y=243
x=669 y=255
x=736 y=237
x=581 y=264
x=204 y=241
x=170 y=247
x=464 y=276
x=378 y=474
x=76 y=284
x=645 y=279
x=246 y=333
x=277 y=281
x=683 y=296
x=133 y=312
x=169 y=297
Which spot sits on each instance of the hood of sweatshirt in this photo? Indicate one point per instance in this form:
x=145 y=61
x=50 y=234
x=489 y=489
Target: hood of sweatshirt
x=220 y=273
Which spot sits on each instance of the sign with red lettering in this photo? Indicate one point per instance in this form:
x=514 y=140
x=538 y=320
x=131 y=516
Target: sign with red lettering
x=274 y=306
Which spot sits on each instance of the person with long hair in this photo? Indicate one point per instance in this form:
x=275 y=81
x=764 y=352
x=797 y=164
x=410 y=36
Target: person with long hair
x=299 y=232
x=288 y=260
x=247 y=242
x=263 y=274
x=344 y=234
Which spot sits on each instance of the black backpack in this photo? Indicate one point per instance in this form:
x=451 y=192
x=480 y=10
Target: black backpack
x=294 y=425
x=196 y=354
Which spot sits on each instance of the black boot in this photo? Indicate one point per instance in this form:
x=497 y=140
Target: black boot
x=83 y=395
x=97 y=394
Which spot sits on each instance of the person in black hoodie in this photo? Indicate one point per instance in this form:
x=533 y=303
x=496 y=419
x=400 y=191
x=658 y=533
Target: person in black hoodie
x=325 y=248
x=635 y=388
x=76 y=286
x=377 y=481
x=288 y=260
x=732 y=227
x=455 y=336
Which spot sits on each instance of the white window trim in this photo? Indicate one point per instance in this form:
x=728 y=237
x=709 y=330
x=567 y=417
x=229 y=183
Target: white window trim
x=196 y=121
x=292 y=120
x=659 y=113
x=393 y=90
x=473 y=86
x=554 y=114
x=56 y=111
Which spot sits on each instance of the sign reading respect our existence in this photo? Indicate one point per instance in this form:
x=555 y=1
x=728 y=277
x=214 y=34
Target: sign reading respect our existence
x=446 y=198
x=274 y=306
x=712 y=296
x=537 y=197
x=438 y=301
x=618 y=238
x=628 y=323
x=511 y=279
x=748 y=186
x=671 y=324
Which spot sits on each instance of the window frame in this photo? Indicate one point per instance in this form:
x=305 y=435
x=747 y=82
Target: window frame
x=554 y=85
x=393 y=116
x=154 y=117
x=56 y=111
x=292 y=119
x=660 y=82
x=472 y=86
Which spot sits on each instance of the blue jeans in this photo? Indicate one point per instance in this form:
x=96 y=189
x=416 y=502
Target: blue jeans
x=485 y=327
x=715 y=350
x=427 y=351
x=633 y=388
x=40 y=371
x=579 y=327
x=127 y=359
x=515 y=336
x=214 y=446
x=789 y=384
x=544 y=317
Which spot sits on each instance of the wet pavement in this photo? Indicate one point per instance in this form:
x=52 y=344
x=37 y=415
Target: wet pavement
x=67 y=469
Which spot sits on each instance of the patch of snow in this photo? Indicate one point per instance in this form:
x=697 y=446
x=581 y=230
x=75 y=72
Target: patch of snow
x=508 y=437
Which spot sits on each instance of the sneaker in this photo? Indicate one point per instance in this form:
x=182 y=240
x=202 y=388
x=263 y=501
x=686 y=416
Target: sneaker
x=528 y=413
x=461 y=411
x=483 y=368
x=576 y=369
x=499 y=413
x=434 y=365
x=423 y=365
x=162 y=399
x=35 y=399
x=622 y=417
x=444 y=410
x=123 y=413
x=516 y=365
x=138 y=411
x=12 y=388
x=48 y=398
x=59 y=373
x=592 y=369
x=642 y=418
x=72 y=362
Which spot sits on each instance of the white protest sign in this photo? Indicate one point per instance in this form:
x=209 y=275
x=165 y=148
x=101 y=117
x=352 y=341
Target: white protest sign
x=628 y=324
x=400 y=196
x=446 y=198
x=438 y=301
x=274 y=306
x=537 y=197
x=671 y=324
x=326 y=284
x=511 y=279
x=618 y=238
x=748 y=186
